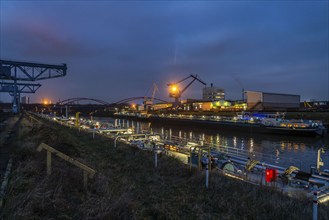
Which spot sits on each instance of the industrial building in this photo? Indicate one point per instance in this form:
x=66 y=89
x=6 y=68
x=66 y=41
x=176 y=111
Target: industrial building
x=25 y=100
x=213 y=93
x=158 y=106
x=196 y=105
x=222 y=105
x=271 y=101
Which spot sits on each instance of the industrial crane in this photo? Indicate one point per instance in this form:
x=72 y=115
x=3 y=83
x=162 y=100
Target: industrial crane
x=148 y=101
x=13 y=71
x=175 y=92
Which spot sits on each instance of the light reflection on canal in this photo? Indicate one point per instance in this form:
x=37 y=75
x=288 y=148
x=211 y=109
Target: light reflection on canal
x=300 y=149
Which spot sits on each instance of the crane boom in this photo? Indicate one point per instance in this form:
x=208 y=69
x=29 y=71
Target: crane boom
x=176 y=93
x=196 y=77
x=155 y=89
x=148 y=101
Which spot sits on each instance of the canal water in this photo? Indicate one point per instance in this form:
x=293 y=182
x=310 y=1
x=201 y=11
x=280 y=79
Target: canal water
x=285 y=150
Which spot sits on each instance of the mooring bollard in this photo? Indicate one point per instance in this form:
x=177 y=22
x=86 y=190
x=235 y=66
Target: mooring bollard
x=263 y=174
x=190 y=162
x=315 y=205
x=157 y=150
x=199 y=159
x=207 y=172
x=155 y=159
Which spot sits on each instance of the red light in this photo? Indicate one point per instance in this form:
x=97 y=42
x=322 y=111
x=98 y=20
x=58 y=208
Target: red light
x=270 y=175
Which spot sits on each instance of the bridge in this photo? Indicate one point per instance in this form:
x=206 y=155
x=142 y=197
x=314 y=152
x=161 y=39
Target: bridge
x=138 y=98
x=72 y=101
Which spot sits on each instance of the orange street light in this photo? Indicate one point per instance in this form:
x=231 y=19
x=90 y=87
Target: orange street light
x=174 y=88
x=174 y=91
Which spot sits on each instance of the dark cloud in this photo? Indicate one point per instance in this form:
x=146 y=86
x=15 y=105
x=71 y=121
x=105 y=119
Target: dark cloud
x=118 y=49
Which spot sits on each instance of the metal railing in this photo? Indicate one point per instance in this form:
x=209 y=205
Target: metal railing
x=238 y=152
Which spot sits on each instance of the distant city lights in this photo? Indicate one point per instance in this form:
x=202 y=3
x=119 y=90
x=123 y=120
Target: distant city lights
x=46 y=101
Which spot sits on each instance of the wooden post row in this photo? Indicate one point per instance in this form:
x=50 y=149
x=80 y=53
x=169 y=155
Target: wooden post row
x=50 y=150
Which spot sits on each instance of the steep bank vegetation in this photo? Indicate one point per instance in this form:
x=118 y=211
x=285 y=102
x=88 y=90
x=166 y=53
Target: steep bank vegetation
x=127 y=186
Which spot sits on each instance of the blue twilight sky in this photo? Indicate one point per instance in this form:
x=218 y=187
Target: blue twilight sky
x=118 y=49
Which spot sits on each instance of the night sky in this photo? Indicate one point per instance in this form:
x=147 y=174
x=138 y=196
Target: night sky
x=118 y=49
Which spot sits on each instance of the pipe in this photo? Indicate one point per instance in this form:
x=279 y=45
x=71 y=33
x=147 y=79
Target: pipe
x=315 y=179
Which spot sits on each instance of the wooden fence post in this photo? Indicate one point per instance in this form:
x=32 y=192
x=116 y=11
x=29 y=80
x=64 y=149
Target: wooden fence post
x=86 y=170
x=48 y=162
x=85 y=179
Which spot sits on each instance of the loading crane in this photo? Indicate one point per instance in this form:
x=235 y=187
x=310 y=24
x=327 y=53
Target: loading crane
x=148 y=101
x=11 y=72
x=175 y=92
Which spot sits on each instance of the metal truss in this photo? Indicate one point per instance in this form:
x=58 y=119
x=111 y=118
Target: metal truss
x=13 y=70
x=20 y=87
x=74 y=100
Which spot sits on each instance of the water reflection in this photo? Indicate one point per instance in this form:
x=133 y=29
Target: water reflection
x=251 y=145
x=300 y=150
x=234 y=142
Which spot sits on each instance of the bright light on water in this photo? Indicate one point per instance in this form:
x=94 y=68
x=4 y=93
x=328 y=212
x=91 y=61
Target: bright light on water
x=283 y=150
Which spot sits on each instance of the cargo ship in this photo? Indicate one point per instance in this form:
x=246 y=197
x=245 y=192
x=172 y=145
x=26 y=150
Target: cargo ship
x=294 y=127
x=250 y=123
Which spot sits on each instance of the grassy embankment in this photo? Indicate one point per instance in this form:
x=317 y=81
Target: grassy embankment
x=127 y=186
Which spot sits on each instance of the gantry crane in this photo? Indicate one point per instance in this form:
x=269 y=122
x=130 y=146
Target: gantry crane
x=13 y=71
x=175 y=92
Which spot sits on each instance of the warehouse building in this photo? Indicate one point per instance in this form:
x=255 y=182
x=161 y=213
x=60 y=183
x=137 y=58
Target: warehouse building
x=271 y=101
x=25 y=100
x=213 y=93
